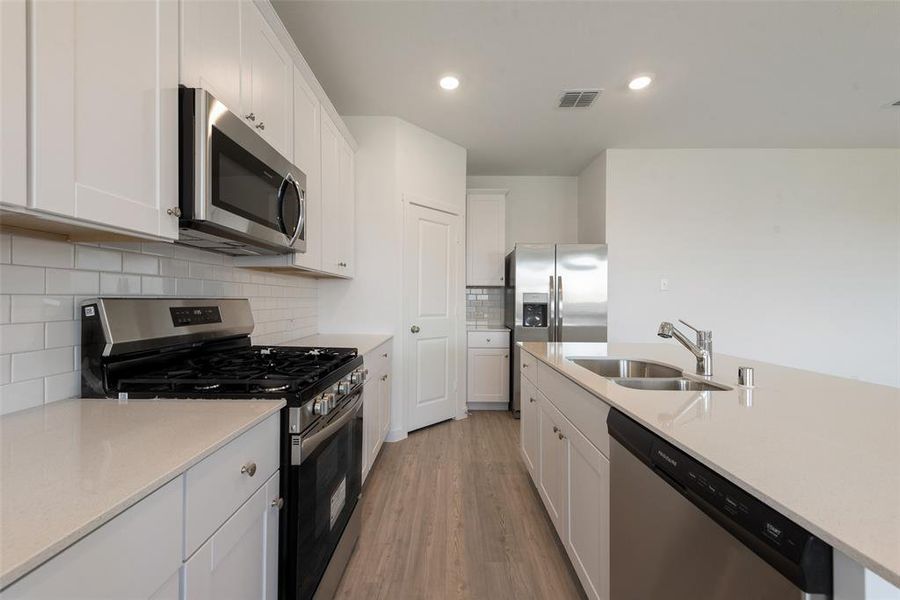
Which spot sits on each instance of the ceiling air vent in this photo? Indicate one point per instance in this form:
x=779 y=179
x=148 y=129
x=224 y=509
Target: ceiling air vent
x=578 y=98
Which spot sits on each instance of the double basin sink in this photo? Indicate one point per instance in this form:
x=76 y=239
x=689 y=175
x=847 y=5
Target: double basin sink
x=645 y=375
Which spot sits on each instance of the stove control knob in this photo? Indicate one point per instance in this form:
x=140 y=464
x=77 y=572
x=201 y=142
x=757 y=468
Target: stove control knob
x=329 y=400
x=344 y=387
x=321 y=406
x=355 y=377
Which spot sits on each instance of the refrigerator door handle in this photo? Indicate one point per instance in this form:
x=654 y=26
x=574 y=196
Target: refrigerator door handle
x=559 y=308
x=551 y=324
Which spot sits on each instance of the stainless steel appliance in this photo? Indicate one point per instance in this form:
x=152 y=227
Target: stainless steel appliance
x=200 y=348
x=680 y=531
x=554 y=293
x=237 y=194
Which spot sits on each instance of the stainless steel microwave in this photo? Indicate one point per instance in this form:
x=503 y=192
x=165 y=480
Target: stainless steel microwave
x=237 y=194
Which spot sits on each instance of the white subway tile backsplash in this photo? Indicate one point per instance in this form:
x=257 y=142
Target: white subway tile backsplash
x=29 y=365
x=190 y=287
x=62 y=386
x=5 y=248
x=62 y=333
x=158 y=286
x=21 y=337
x=21 y=395
x=113 y=284
x=40 y=302
x=140 y=263
x=34 y=309
x=42 y=252
x=21 y=280
x=65 y=281
x=97 y=259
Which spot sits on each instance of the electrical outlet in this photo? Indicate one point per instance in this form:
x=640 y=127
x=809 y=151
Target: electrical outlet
x=664 y=285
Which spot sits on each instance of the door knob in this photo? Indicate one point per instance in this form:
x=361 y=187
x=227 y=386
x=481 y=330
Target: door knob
x=415 y=329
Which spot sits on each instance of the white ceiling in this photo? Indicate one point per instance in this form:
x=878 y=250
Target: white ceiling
x=726 y=74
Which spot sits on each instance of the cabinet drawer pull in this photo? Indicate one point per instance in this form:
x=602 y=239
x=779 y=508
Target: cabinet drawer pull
x=555 y=429
x=261 y=126
x=531 y=399
x=249 y=469
x=250 y=117
x=175 y=212
x=561 y=436
x=278 y=502
x=384 y=377
x=384 y=355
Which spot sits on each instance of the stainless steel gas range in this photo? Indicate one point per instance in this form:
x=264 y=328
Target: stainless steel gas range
x=200 y=348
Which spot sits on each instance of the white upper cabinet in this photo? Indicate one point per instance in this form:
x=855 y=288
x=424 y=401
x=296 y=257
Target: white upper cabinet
x=308 y=156
x=211 y=48
x=485 y=237
x=104 y=113
x=12 y=103
x=338 y=201
x=266 y=75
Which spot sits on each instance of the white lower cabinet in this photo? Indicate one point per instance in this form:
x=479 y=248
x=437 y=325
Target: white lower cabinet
x=239 y=560
x=570 y=472
x=135 y=555
x=587 y=530
x=376 y=404
x=529 y=424
x=488 y=376
x=552 y=474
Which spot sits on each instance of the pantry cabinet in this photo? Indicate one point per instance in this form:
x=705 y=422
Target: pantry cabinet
x=104 y=113
x=569 y=466
x=485 y=237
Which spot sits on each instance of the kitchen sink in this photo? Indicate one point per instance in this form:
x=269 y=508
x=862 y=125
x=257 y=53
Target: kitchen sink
x=626 y=367
x=669 y=384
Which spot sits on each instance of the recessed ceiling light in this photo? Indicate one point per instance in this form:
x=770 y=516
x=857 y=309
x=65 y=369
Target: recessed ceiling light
x=639 y=83
x=449 y=82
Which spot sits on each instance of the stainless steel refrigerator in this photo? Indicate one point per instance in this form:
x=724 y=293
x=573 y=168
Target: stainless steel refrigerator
x=554 y=293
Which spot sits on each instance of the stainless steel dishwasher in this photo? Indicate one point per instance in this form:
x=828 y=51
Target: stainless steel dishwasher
x=680 y=531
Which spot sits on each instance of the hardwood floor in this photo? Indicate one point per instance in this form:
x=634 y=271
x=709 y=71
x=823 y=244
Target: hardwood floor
x=450 y=512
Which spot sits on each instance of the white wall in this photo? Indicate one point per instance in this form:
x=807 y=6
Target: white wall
x=395 y=160
x=592 y=202
x=538 y=209
x=43 y=279
x=790 y=256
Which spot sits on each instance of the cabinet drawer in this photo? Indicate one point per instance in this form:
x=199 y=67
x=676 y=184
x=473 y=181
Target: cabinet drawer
x=527 y=366
x=218 y=485
x=488 y=339
x=577 y=405
x=378 y=361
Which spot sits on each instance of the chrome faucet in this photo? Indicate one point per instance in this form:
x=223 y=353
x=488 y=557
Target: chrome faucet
x=702 y=350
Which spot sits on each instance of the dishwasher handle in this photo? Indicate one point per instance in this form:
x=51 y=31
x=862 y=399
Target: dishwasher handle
x=803 y=558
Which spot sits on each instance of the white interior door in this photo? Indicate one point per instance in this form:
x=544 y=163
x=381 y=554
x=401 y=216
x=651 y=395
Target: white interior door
x=430 y=310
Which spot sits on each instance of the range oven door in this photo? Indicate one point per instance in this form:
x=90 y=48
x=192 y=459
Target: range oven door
x=235 y=187
x=324 y=490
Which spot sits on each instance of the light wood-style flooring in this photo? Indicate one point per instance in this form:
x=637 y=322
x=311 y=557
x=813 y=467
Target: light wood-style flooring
x=450 y=512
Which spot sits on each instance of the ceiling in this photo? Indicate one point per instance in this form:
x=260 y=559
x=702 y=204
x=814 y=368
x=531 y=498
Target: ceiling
x=726 y=74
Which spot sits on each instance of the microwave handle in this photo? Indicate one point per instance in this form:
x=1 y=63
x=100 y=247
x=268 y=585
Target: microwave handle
x=301 y=214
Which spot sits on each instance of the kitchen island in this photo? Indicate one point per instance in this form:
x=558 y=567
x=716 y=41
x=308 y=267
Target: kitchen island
x=822 y=450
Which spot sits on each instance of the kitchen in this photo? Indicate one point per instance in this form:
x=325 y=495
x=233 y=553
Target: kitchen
x=376 y=299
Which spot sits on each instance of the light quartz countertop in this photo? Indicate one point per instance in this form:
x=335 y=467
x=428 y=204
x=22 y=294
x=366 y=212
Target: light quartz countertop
x=822 y=450
x=68 y=467
x=363 y=342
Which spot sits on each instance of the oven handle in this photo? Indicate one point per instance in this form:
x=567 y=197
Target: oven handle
x=308 y=445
